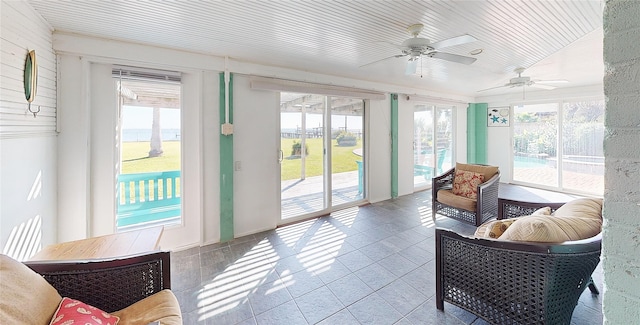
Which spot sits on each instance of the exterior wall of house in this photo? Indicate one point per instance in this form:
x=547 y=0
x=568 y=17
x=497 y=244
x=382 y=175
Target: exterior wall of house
x=622 y=159
x=28 y=179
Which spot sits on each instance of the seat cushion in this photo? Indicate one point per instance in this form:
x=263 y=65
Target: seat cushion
x=551 y=229
x=161 y=306
x=583 y=207
x=486 y=171
x=25 y=296
x=495 y=228
x=466 y=183
x=447 y=197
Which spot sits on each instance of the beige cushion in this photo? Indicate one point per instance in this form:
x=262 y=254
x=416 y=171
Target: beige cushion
x=161 y=306
x=486 y=171
x=25 y=296
x=546 y=211
x=447 y=197
x=551 y=229
x=493 y=228
x=583 y=207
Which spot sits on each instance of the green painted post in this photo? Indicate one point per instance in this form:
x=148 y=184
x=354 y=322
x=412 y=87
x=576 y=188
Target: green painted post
x=394 y=145
x=477 y=133
x=226 y=166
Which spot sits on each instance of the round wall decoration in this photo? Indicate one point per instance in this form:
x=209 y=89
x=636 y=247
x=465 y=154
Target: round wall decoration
x=31 y=79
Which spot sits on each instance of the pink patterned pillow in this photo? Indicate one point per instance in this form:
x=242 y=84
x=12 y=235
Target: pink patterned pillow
x=72 y=311
x=466 y=183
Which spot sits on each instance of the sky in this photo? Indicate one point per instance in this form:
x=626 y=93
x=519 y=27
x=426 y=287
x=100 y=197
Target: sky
x=294 y=120
x=134 y=117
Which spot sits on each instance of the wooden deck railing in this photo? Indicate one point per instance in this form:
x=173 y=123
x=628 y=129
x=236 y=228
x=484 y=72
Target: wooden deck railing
x=145 y=198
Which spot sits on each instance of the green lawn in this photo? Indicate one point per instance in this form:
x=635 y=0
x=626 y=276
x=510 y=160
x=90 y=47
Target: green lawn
x=135 y=158
x=343 y=158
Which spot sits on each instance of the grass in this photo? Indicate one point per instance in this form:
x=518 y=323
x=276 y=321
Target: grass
x=135 y=158
x=343 y=158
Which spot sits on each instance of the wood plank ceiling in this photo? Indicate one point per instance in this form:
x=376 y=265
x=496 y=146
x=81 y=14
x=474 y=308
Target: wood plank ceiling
x=338 y=37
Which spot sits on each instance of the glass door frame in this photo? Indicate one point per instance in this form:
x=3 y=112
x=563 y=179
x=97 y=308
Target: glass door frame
x=327 y=190
x=436 y=159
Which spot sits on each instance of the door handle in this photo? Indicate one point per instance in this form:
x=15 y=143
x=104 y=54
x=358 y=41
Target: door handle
x=280 y=156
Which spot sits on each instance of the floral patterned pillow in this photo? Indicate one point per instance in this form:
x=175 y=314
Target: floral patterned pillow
x=72 y=311
x=466 y=183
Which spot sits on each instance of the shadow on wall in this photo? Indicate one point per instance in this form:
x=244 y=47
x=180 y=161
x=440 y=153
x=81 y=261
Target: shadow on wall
x=25 y=240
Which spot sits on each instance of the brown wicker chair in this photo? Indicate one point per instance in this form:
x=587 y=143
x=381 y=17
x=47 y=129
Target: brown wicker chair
x=506 y=282
x=485 y=207
x=108 y=284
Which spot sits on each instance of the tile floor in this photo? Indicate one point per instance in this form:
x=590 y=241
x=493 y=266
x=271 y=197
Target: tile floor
x=368 y=265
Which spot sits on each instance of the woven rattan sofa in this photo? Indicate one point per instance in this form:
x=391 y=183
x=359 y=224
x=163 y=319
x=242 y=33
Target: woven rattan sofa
x=134 y=288
x=515 y=282
x=474 y=211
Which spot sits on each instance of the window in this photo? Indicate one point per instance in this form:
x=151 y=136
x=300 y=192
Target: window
x=432 y=143
x=559 y=146
x=149 y=180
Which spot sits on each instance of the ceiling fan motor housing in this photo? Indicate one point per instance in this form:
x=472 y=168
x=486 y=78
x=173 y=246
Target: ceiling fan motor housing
x=519 y=81
x=416 y=46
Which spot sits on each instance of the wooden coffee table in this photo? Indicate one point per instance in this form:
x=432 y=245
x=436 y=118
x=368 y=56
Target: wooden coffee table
x=115 y=245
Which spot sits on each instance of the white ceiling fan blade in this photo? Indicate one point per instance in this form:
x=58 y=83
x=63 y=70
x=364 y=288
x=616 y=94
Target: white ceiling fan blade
x=541 y=86
x=452 y=57
x=507 y=85
x=458 y=40
x=558 y=81
x=412 y=67
x=393 y=56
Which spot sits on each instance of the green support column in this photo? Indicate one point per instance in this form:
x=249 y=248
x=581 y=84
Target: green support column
x=226 y=166
x=394 y=145
x=477 y=133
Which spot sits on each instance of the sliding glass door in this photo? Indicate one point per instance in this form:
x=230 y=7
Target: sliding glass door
x=559 y=146
x=432 y=143
x=321 y=148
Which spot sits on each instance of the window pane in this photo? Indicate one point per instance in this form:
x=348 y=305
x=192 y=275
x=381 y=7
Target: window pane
x=582 y=156
x=535 y=144
x=422 y=145
x=444 y=153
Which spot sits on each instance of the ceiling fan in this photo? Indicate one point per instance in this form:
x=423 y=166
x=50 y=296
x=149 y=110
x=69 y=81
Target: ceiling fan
x=522 y=81
x=416 y=47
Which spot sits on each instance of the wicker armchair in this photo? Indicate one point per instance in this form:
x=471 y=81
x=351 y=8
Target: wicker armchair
x=506 y=282
x=108 y=284
x=476 y=212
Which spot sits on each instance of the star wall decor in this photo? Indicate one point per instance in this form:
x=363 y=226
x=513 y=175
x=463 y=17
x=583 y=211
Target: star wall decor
x=498 y=116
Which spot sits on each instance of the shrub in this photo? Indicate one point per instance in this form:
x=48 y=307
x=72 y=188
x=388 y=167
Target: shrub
x=296 y=149
x=346 y=139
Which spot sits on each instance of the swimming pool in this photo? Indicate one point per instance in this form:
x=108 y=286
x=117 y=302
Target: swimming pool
x=528 y=162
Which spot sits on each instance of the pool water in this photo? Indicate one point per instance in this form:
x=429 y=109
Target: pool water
x=529 y=162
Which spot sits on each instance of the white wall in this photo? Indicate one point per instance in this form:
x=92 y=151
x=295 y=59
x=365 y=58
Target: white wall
x=255 y=146
x=27 y=144
x=378 y=168
x=621 y=262
x=405 y=146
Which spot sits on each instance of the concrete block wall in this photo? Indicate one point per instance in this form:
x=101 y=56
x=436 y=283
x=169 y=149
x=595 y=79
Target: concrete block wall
x=621 y=240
